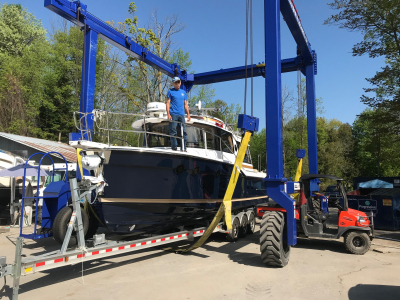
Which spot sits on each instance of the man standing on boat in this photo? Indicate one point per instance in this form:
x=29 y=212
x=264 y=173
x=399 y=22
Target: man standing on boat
x=176 y=107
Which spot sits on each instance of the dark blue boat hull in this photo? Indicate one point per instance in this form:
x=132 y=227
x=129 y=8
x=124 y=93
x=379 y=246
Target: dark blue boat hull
x=150 y=192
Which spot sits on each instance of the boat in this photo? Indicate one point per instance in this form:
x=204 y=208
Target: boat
x=152 y=188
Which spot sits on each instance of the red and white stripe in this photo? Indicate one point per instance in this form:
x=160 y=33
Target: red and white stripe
x=49 y=262
x=116 y=249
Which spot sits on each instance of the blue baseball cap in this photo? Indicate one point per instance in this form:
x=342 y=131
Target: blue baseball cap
x=175 y=79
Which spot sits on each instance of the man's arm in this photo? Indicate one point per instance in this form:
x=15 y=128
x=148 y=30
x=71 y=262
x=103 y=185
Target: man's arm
x=187 y=110
x=168 y=105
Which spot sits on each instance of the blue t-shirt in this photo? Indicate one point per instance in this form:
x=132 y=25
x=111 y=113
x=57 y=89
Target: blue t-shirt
x=177 y=104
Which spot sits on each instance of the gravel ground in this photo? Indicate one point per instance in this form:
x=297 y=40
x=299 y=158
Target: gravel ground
x=318 y=269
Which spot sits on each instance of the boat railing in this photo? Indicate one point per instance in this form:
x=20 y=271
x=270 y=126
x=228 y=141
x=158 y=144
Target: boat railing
x=97 y=115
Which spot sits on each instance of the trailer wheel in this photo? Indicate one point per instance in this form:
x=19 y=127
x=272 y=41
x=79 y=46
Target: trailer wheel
x=233 y=236
x=275 y=251
x=60 y=225
x=243 y=227
x=357 y=242
x=251 y=224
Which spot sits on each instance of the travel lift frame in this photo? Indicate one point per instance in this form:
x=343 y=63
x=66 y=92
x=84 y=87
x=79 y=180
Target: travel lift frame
x=276 y=184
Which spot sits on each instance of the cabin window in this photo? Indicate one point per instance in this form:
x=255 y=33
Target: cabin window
x=227 y=142
x=212 y=137
x=247 y=157
x=195 y=136
x=155 y=140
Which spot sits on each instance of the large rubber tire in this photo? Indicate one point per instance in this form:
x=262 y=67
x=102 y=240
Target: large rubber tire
x=60 y=225
x=251 y=224
x=275 y=251
x=233 y=236
x=357 y=242
x=243 y=227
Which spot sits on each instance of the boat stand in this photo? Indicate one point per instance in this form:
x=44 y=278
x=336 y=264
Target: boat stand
x=100 y=246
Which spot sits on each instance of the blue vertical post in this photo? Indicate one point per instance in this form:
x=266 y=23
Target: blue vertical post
x=311 y=119
x=273 y=88
x=275 y=180
x=88 y=81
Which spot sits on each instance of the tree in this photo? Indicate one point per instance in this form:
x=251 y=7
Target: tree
x=149 y=84
x=376 y=149
x=378 y=21
x=23 y=56
x=18 y=30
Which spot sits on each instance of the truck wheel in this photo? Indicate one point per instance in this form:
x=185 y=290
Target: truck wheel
x=60 y=225
x=357 y=242
x=243 y=227
x=251 y=224
x=275 y=251
x=233 y=236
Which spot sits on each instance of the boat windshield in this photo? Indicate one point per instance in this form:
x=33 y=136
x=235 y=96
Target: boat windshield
x=197 y=136
x=247 y=157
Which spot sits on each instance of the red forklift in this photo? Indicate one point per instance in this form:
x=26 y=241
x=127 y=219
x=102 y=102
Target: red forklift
x=326 y=217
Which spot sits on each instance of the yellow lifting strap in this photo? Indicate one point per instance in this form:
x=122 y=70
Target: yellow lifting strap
x=297 y=178
x=79 y=157
x=299 y=168
x=226 y=205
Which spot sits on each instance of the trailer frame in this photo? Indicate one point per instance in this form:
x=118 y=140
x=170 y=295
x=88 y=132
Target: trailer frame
x=101 y=247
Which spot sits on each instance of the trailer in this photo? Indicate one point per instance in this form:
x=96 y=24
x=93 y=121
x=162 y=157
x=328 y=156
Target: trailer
x=100 y=247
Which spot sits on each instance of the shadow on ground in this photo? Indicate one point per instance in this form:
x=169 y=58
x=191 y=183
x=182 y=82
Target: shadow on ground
x=103 y=264
x=74 y=272
x=373 y=292
x=395 y=235
x=321 y=244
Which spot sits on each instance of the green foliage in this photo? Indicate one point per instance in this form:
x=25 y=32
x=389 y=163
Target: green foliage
x=203 y=93
x=181 y=58
x=258 y=150
x=377 y=149
x=23 y=56
x=18 y=30
x=379 y=22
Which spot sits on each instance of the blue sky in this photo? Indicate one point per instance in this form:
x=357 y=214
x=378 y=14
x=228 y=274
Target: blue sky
x=215 y=38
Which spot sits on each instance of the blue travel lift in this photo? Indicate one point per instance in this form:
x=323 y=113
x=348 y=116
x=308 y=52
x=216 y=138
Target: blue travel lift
x=271 y=70
x=306 y=61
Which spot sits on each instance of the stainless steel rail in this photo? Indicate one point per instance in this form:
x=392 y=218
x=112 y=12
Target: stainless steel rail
x=98 y=114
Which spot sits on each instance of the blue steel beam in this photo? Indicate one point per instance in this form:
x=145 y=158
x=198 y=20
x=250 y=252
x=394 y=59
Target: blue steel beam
x=311 y=120
x=69 y=11
x=88 y=81
x=273 y=103
x=290 y=15
x=288 y=65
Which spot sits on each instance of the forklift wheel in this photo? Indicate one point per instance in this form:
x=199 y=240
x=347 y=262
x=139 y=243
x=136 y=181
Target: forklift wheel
x=275 y=251
x=357 y=242
x=60 y=225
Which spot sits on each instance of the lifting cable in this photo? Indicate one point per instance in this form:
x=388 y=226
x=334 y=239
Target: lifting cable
x=249 y=23
x=225 y=208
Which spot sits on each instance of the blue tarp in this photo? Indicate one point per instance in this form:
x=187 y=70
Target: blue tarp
x=375 y=184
